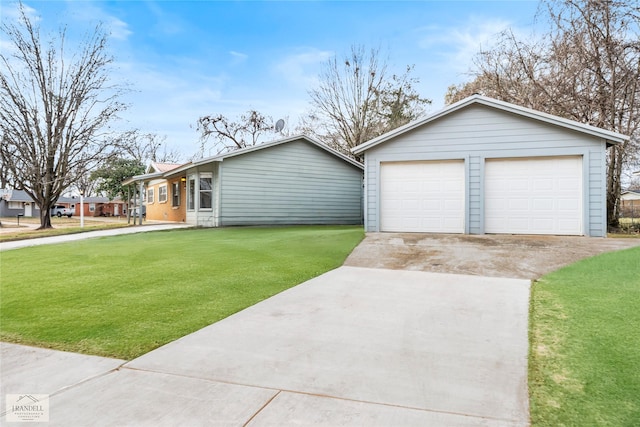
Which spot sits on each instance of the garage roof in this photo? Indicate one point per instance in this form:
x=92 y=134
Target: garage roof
x=608 y=136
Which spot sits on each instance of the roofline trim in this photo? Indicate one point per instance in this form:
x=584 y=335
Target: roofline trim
x=221 y=157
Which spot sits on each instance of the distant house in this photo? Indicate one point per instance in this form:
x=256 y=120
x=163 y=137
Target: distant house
x=17 y=202
x=100 y=206
x=295 y=180
x=14 y=202
x=630 y=204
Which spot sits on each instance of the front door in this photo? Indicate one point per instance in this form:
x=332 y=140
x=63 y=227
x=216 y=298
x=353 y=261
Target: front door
x=28 y=209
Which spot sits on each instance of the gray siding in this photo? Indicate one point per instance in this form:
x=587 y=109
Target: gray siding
x=5 y=211
x=475 y=171
x=477 y=133
x=596 y=205
x=292 y=183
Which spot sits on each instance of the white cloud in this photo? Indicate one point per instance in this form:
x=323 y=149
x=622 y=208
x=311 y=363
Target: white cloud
x=7 y=47
x=168 y=100
x=166 y=23
x=458 y=45
x=88 y=14
x=238 y=57
x=445 y=53
x=118 y=28
x=301 y=69
x=11 y=11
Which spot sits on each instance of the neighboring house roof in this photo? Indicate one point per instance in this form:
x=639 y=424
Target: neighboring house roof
x=21 y=196
x=155 y=170
x=608 y=136
x=221 y=157
x=17 y=196
x=630 y=195
x=162 y=167
x=93 y=199
x=100 y=200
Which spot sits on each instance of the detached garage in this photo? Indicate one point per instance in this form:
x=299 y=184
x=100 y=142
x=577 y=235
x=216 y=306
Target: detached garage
x=487 y=166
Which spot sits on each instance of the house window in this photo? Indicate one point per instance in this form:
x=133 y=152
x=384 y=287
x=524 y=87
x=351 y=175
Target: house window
x=175 y=194
x=149 y=195
x=191 y=194
x=162 y=194
x=92 y=207
x=206 y=191
x=15 y=205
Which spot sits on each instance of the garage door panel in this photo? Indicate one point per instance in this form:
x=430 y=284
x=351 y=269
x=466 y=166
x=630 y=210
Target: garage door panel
x=547 y=200
x=568 y=205
x=545 y=184
x=422 y=196
x=431 y=205
x=518 y=223
x=569 y=185
x=453 y=205
x=520 y=184
x=543 y=205
x=521 y=205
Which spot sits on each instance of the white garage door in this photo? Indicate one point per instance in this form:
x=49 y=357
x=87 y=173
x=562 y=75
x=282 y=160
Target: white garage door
x=534 y=196
x=422 y=196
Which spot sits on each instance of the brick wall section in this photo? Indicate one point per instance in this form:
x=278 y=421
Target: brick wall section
x=165 y=211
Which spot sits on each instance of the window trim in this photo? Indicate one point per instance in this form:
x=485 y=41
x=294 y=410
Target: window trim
x=191 y=196
x=205 y=175
x=150 y=195
x=175 y=194
x=160 y=193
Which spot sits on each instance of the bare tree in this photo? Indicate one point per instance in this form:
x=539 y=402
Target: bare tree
x=85 y=185
x=228 y=135
x=146 y=147
x=357 y=100
x=54 y=110
x=586 y=68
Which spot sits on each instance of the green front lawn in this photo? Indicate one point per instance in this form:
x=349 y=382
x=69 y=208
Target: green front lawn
x=584 y=365
x=124 y=296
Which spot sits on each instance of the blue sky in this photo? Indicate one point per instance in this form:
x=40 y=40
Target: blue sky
x=185 y=59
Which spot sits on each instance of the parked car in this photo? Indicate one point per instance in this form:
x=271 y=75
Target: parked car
x=134 y=212
x=60 y=210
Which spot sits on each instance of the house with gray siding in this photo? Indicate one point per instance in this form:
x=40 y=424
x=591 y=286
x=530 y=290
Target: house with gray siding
x=486 y=166
x=295 y=180
x=17 y=202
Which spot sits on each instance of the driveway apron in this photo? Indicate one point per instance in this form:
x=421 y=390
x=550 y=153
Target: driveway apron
x=355 y=346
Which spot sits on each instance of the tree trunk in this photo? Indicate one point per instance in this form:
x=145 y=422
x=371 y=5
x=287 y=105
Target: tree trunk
x=614 y=187
x=45 y=219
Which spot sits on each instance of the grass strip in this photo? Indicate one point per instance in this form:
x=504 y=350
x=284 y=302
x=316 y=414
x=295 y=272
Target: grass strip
x=584 y=365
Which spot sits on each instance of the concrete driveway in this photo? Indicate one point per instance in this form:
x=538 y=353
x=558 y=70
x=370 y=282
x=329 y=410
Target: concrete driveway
x=526 y=257
x=355 y=346
x=371 y=343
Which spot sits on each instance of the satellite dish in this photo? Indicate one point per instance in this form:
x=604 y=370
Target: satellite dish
x=279 y=125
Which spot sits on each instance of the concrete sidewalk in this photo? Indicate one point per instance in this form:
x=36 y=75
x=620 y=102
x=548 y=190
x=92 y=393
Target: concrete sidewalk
x=355 y=346
x=5 y=246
